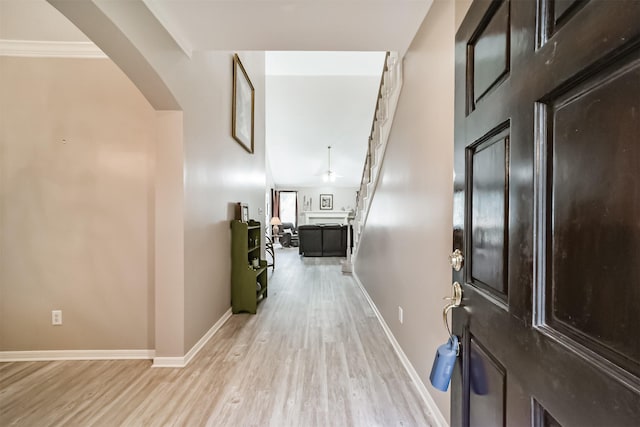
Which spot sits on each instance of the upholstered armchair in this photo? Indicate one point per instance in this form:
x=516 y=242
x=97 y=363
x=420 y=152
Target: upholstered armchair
x=289 y=236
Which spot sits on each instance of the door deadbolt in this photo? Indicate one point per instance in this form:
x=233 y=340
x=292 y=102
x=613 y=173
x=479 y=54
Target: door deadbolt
x=456 y=259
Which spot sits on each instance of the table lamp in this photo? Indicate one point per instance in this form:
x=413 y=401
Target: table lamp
x=275 y=222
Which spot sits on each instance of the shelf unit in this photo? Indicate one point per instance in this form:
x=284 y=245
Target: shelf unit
x=248 y=284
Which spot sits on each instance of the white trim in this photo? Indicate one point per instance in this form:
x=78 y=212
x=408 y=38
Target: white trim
x=168 y=362
x=47 y=49
x=48 y=355
x=437 y=416
x=181 y=362
x=158 y=362
x=201 y=343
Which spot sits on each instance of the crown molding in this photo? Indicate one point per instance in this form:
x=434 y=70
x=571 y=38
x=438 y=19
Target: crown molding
x=47 y=49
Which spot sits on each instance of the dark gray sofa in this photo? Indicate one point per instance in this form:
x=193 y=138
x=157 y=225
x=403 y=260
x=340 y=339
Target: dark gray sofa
x=323 y=240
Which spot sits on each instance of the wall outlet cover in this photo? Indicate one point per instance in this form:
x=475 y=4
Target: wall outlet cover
x=56 y=317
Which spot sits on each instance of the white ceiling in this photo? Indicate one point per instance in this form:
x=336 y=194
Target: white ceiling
x=317 y=99
x=323 y=63
x=314 y=99
x=303 y=25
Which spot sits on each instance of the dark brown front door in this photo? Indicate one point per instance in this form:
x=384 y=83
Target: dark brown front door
x=547 y=214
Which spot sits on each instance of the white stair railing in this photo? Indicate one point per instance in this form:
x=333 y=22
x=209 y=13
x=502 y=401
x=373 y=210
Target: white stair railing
x=388 y=94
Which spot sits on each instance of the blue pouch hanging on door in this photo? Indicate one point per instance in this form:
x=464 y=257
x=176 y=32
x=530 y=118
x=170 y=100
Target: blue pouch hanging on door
x=443 y=364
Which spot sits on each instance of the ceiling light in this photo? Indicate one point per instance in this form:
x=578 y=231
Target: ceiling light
x=329 y=176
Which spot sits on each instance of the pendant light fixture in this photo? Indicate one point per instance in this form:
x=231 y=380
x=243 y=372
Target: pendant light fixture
x=329 y=176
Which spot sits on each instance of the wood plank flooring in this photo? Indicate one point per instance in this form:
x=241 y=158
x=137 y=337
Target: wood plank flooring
x=314 y=355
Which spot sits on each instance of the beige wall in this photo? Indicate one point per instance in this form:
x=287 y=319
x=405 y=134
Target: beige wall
x=218 y=173
x=213 y=170
x=76 y=206
x=81 y=229
x=169 y=235
x=402 y=260
x=462 y=6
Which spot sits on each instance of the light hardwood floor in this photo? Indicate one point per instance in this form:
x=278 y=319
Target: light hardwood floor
x=314 y=355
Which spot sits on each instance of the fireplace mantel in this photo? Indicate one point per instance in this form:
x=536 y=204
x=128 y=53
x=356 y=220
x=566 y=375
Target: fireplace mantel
x=324 y=217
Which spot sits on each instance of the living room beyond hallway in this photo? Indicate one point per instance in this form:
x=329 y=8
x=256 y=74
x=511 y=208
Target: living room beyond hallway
x=313 y=355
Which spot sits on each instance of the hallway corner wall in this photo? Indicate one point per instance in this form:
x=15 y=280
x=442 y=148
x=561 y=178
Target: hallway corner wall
x=76 y=207
x=168 y=299
x=402 y=259
x=218 y=173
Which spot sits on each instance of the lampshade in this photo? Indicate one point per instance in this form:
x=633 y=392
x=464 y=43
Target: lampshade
x=275 y=221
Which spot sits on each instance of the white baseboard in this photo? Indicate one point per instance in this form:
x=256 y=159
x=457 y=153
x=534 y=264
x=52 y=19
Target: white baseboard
x=168 y=362
x=158 y=362
x=436 y=416
x=48 y=355
x=181 y=362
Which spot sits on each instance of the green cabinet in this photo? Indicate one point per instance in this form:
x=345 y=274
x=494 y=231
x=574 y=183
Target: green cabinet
x=248 y=282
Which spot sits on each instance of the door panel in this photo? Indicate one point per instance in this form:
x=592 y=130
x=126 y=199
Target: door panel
x=489 y=53
x=488 y=220
x=562 y=8
x=547 y=213
x=594 y=157
x=488 y=396
x=555 y=13
x=542 y=418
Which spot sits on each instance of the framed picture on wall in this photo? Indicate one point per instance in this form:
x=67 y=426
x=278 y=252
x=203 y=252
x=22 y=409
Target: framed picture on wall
x=326 y=202
x=242 y=108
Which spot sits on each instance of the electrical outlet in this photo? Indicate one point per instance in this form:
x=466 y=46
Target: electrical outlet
x=400 y=314
x=56 y=317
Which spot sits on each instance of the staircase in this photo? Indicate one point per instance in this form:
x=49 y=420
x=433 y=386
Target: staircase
x=388 y=94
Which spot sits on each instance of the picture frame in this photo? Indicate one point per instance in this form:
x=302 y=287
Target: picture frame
x=242 y=212
x=326 y=202
x=242 y=108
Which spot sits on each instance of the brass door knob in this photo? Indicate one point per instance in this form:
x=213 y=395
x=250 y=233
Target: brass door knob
x=456 y=259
